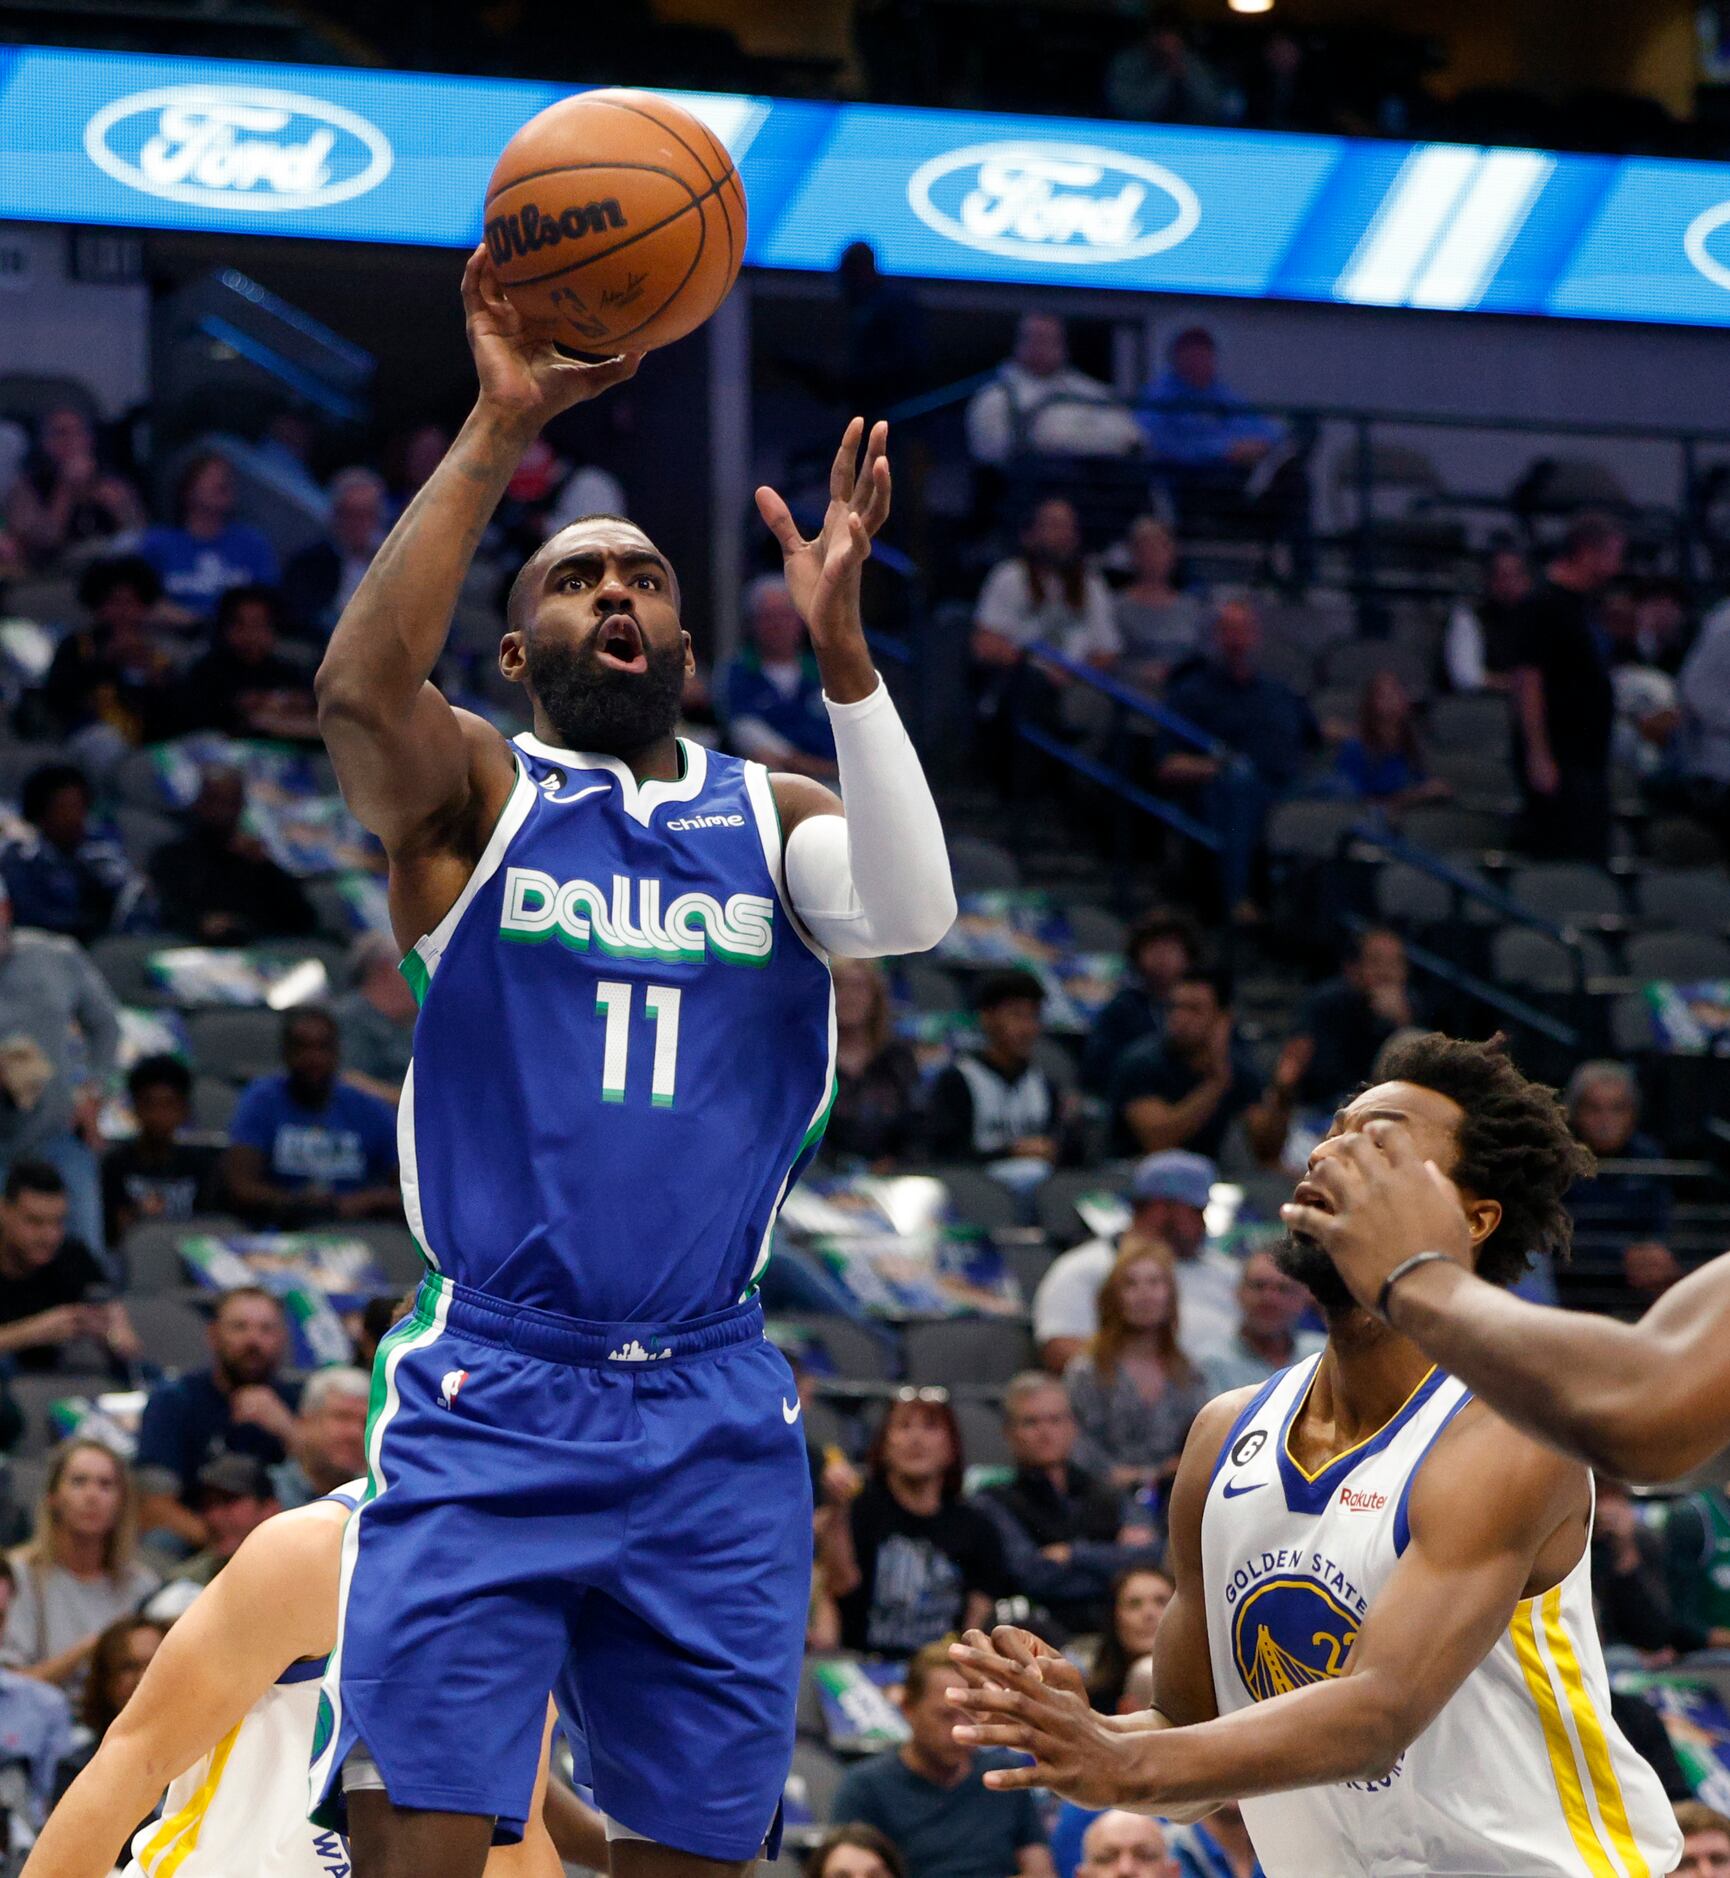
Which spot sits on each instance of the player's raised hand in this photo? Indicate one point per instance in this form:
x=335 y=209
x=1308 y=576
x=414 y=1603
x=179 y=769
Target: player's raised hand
x=1075 y=1753
x=522 y=373
x=823 y=573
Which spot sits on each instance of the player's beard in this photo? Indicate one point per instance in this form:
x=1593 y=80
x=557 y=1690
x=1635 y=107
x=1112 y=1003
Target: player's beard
x=610 y=713
x=1305 y=1261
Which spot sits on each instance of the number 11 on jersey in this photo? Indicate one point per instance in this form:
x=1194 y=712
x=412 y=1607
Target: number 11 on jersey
x=661 y=1003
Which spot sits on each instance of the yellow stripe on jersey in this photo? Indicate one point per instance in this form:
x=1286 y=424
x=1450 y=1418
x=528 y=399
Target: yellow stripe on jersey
x=1608 y=1790
x=1563 y=1766
x=176 y=1839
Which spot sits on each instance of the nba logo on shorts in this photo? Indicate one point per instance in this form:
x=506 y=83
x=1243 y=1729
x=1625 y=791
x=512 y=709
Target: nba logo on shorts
x=453 y=1381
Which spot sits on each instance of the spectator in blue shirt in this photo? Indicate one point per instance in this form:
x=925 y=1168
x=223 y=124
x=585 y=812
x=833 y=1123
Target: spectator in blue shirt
x=1384 y=763
x=1193 y=418
x=206 y=551
x=1216 y=1847
x=306 y=1148
x=769 y=697
x=61 y=877
x=35 y=1722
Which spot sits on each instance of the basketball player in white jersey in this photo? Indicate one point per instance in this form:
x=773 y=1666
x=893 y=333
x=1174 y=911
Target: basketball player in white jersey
x=1381 y=1640
x=223 y=1719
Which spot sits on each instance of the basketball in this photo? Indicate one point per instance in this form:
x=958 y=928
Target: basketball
x=616 y=221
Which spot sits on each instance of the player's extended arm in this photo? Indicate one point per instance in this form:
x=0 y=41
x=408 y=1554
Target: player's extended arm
x=1488 y=1506
x=872 y=882
x=1643 y=1401
x=407 y=762
x=212 y=1667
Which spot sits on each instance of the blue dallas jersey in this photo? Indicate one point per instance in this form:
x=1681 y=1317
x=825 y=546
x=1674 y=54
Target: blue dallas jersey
x=625 y=1049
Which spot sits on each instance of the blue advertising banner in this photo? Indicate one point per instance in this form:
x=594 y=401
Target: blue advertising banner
x=330 y=153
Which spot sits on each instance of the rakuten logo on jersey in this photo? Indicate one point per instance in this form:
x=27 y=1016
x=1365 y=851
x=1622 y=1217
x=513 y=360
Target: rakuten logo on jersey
x=627 y=920
x=1354 y=1502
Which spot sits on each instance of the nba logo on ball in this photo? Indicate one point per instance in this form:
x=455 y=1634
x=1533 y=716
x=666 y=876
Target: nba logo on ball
x=452 y=1383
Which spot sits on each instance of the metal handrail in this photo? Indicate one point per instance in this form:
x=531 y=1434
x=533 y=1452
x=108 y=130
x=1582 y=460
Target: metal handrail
x=1042 y=652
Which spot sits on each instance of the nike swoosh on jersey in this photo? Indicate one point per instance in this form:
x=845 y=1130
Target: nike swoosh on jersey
x=597 y=789
x=1234 y=1492
x=790 y=1412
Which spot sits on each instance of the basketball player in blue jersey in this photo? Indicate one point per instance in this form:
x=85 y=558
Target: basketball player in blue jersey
x=586 y=1473
x=1381 y=1640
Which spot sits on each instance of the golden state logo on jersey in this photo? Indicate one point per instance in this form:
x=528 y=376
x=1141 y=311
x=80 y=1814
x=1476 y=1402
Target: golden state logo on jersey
x=627 y=921
x=1290 y=1631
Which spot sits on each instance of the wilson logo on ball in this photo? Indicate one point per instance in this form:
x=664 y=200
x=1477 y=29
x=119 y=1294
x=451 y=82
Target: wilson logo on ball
x=529 y=230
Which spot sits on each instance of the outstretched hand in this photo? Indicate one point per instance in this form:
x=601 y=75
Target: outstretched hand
x=823 y=574
x=522 y=372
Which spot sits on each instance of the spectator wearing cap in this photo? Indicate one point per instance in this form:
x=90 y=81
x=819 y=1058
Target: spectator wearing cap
x=1039 y=404
x=999 y=1103
x=928 y=1797
x=1622 y=1216
x=1271 y=1307
x=375 y=1019
x=35 y=1724
x=61 y=877
x=109 y=686
x=304 y=1147
x=205 y=551
x=243 y=686
x=54 y=1290
x=1346 y=1021
x=216 y=883
x=768 y=696
x=328 y=1447
x=1163 y=947
x=1064 y=1532
x=1168 y=1193
x=242 y=1404
x=320 y=580
x=156 y=1174
x=233 y=1495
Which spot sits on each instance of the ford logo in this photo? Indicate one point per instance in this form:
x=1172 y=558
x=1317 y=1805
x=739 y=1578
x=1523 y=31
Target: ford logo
x=1703 y=227
x=237 y=146
x=1054 y=202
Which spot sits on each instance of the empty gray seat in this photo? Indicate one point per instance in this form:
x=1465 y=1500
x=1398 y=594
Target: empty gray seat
x=1094 y=929
x=978 y=1199
x=1532 y=960
x=17 y=760
x=36 y=1396
x=1408 y=896
x=1445 y=826
x=1477 y=780
x=978 y=1351
x=174 y=1331
x=818 y=1772
x=213 y=1104
x=235 y=1044
x=1313 y=831
x=983 y=1442
x=123 y=959
x=1054 y=1203
x=142 y=831
x=1480 y=721
x=1630 y=1025
x=1567 y=890
x=1355 y=661
x=1682 y=956
x=980 y=866
x=930 y=987
x=392 y=1245
x=857 y=1354
x=1695 y=899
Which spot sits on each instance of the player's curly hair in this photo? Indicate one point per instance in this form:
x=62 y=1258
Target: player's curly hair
x=1515 y=1144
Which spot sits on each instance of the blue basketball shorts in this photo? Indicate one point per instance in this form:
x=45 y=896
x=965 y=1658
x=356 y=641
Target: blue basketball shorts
x=618 y=1515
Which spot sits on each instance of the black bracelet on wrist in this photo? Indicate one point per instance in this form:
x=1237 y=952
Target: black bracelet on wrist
x=1399 y=1272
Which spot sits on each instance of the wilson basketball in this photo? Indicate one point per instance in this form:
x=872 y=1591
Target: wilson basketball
x=616 y=221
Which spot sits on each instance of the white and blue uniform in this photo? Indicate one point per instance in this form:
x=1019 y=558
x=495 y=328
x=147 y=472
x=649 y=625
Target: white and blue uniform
x=586 y=1473
x=1522 y=1775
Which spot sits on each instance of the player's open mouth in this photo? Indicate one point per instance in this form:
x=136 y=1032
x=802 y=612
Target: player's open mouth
x=1308 y=1193
x=619 y=644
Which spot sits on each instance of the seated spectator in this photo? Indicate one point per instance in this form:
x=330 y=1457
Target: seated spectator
x=156 y=1175
x=320 y=580
x=1126 y=1845
x=1159 y=624
x=35 y=1724
x=216 y=884
x=928 y=1563
x=118 y=1660
x=78 y=1571
x=1185 y=1087
x=54 y=1290
x=928 y=1797
x=376 y=1019
x=1196 y=425
x=110 y=685
x=768 y=696
x=328 y=1446
x=59 y=1031
x=66 y=503
x=1483 y=636
x=1134 y=1389
x=1161 y=79
x=1040 y=405
x=1270 y=1308
x=1065 y=1537
x=1629 y=1590
x=1000 y=1103
x=243 y=686
x=1696 y=1537
x=1346 y=1021
x=875 y=1117
x=856 y=1851
x=1168 y=1193
x=1069 y=1828
x=1046 y=594
x=1163 y=947
x=233 y=1496
x=61 y=877
x=205 y=551
x=241 y=1404
x=1384 y=762
x=1705 y=1841
x=1621 y=1218
x=304 y=1147
x=1136 y=1606
x=1267 y=727
x=1217 y=1847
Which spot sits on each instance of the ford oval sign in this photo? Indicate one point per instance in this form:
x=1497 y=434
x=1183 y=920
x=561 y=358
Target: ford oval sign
x=237 y=147
x=1054 y=202
x=1700 y=231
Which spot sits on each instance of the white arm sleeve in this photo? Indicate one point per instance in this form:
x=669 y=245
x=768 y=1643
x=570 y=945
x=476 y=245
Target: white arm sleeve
x=873 y=883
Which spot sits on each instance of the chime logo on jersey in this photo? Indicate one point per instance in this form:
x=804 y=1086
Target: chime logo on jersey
x=627 y=921
x=1289 y=1632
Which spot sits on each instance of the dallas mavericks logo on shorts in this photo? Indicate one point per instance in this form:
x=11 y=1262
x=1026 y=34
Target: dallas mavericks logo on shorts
x=1289 y=1632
